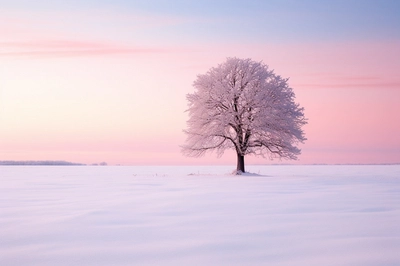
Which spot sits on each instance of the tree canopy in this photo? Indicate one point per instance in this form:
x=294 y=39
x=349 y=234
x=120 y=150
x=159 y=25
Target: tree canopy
x=242 y=105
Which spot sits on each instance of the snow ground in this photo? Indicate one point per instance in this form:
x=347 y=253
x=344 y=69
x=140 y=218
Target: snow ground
x=171 y=215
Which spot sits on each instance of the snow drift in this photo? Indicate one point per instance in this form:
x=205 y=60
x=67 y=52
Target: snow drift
x=280 y=215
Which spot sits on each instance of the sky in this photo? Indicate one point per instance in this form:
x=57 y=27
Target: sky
x=92 y=81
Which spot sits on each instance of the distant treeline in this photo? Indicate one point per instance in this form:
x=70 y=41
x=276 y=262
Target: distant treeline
x=37 y=163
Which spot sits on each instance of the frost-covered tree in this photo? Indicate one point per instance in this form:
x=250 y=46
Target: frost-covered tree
x=242 y=105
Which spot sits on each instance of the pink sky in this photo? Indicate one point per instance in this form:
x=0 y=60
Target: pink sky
x=110 y=84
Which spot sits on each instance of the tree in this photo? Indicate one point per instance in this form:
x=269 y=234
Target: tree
x=242 y=105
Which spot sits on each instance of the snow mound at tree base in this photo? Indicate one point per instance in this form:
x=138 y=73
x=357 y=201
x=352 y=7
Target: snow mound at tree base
x=238 y=172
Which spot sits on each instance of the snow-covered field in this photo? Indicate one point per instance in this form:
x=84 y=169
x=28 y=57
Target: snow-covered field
x=171 y=215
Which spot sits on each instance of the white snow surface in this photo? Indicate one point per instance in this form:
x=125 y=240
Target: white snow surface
x=200 y=215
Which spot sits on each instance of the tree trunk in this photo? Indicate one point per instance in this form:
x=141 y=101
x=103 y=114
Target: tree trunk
x=240 y=163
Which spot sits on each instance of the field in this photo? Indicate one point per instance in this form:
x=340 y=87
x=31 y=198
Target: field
x=200 y=215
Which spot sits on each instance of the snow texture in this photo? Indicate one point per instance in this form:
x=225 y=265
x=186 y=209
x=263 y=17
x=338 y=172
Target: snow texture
x=279 y=215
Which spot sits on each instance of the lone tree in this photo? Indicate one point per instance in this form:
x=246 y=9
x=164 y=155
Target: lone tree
x=242 y=105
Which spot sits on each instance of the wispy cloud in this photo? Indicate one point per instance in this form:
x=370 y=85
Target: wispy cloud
x=33 y=34
x=362 y=82
x=382 y=85
x=69 y=48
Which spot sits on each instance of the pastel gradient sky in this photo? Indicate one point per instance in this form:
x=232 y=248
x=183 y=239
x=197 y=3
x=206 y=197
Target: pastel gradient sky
x=106 y=80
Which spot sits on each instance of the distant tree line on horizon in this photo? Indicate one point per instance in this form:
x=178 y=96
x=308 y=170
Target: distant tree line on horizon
x=38 y=163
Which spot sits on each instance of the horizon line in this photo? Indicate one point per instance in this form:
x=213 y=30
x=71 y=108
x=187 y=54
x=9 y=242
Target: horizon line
x=103 y=163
